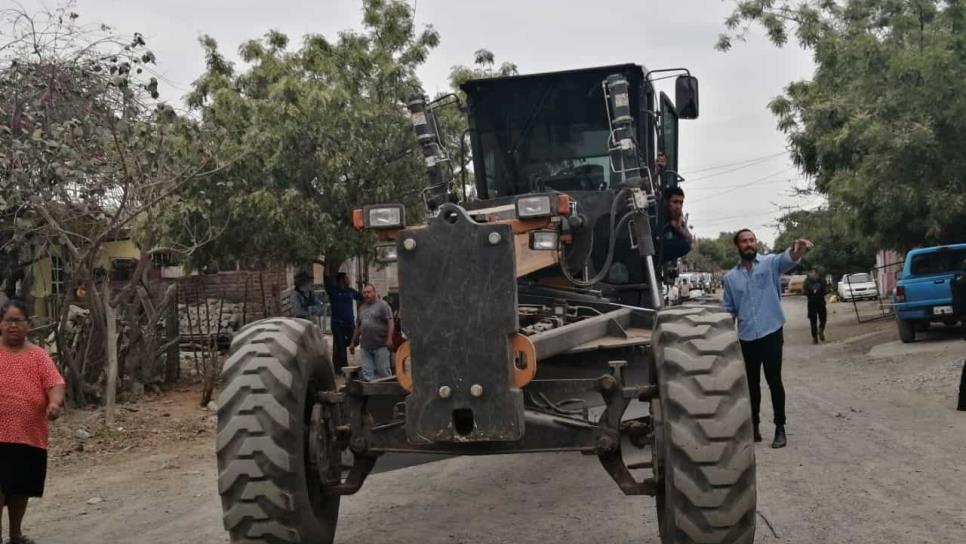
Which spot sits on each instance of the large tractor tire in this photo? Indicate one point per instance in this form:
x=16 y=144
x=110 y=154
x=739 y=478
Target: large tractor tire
x=270 y=493
x=704 y=455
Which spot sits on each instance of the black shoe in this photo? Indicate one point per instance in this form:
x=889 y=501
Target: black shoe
x=821 y=335
x=815 y=340
x=757 y=434
x=780 y=440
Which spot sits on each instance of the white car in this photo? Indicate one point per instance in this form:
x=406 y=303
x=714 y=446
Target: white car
x=857 y=286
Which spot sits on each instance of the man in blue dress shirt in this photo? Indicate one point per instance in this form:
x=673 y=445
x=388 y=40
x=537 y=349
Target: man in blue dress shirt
x=752 y=294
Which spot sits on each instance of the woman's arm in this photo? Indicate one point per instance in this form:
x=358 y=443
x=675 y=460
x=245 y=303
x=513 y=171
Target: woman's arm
x=55 y=401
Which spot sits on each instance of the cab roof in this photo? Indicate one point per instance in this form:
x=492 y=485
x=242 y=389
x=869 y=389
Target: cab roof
x=474 y=84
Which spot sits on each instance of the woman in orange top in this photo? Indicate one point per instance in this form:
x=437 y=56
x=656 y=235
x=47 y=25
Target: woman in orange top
x=31 y=392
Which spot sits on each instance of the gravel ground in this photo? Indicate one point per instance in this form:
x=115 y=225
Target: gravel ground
x=876 y=454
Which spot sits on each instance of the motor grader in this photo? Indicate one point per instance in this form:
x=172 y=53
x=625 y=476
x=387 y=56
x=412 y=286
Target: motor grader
x=532 y=308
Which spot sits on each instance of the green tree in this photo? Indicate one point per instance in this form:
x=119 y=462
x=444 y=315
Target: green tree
x=881 y=126
x=86 y=154
x=839 y=247
x=452 y=120
x=311 y=133
x=712 y=254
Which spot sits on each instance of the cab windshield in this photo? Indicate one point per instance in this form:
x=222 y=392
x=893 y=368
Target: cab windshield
x=543 y=133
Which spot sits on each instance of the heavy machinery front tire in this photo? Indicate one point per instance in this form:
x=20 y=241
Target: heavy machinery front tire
x=704 y=456
x=907 y=330
x=269 y=492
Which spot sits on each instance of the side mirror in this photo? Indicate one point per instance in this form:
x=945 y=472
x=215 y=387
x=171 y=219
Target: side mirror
x=686 y=97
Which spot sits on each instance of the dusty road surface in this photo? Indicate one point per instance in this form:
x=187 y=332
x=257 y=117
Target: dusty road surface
x=876 y=454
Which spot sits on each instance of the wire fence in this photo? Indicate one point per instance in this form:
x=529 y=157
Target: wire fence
x=872 y=300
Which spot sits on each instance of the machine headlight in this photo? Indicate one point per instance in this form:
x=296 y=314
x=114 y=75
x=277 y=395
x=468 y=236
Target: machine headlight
x=384 y=216
x=543 y=240
x=387 y=253
x=530 y=207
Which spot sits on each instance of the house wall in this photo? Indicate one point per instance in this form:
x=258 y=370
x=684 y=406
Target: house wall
x=120 y=249
x=385 y=279
x=254 y=294
x=40 y=274
x=887 y=264
x=236 y=286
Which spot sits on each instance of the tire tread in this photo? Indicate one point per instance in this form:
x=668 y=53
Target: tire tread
x=710 y=465
x=258 y=425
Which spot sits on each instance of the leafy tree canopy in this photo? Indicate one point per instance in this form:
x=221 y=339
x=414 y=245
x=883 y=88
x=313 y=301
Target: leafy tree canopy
x=85 y=151
x=839 y=247
x=310 y=133
x=716 y=254
x=86 y=154
x=452 y=120
x=881 y=126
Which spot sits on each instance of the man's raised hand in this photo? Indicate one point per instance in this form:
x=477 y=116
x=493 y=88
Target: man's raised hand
x=800 y=247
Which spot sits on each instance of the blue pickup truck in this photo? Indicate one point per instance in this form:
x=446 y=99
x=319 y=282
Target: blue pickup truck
x=923 y=294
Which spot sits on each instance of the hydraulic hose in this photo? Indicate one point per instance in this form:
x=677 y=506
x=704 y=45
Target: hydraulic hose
x=605 y=269
x=610 y=252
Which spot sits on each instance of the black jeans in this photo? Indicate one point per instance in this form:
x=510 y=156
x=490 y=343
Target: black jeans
x=765 y=352
x=341 y=337
x=817 y=313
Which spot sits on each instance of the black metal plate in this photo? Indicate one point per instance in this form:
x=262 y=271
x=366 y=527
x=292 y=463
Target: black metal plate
x=458 y=301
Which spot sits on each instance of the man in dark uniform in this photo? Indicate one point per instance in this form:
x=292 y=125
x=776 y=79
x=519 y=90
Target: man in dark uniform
x=815 y=295
x=958 y=288
x=341 y=301
x=677 y=236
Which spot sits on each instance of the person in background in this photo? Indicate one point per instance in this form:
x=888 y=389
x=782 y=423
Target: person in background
x=958 y=288
x=305 y=304
x=31 y=393
x=342 y=299
x=815 y=291
x=373 y=334
x=677 y=236
x=752 y=294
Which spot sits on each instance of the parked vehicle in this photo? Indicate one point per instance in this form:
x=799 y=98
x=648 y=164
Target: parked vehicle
x=785 y=281
x=923 y=294
x=698 y=284
x=857 y=286
x=796 y=284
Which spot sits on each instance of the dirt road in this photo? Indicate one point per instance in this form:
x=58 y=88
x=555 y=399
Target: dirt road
x=876 y=454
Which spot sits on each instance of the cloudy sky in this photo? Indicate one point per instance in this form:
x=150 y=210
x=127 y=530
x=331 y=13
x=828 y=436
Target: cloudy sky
x=738 y=173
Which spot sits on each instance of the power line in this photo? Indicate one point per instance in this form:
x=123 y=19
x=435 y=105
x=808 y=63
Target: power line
x=750 y=183
x=738 y=186
x=715 y=175
x=729 y=218
x=735 y=163
x=719 y=220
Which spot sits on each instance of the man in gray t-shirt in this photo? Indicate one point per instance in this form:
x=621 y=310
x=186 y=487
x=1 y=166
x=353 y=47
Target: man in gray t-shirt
x=373 y=334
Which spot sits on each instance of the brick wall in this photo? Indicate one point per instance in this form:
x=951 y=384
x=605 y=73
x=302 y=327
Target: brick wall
x=258 y=291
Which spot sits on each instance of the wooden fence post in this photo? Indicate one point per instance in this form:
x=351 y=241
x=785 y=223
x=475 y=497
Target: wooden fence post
x=171 y=331
x=111 y=392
